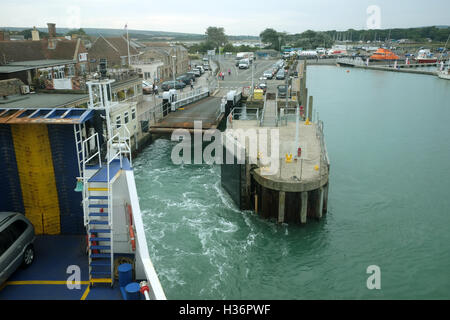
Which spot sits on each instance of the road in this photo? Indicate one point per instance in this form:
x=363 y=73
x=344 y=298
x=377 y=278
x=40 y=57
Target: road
x=206 y=110
x=243 y=77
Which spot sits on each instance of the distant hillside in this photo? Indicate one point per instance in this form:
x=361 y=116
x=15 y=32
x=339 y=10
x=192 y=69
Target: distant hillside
x=138 y=34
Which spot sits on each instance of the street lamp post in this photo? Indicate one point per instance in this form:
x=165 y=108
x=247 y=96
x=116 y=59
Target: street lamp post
x=253 y=86
x=173 y=71
x=279 y=44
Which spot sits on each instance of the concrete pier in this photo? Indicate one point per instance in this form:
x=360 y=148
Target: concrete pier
x=285 y=178
x=296 y=189
x=403 y=68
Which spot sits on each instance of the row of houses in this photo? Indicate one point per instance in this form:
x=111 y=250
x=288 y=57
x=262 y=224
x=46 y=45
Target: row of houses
x=56 y=70
x=60 y=58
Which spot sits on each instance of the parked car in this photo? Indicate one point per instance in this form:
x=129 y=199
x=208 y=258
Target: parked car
x=196 y=72
x=237 y=63
x=186 y=79
x=263 y=87
x=167 y=85
x=281 y=74
x=147 y=87
x=191 y=74
x=16 y=243
x=268 y=74
x=282 y=91
x=202 y=71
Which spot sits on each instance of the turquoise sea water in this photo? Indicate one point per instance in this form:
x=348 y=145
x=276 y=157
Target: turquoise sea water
x=388 y=139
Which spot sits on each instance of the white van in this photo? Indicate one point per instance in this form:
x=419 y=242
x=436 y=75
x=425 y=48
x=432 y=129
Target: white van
x=202 y=71
x=244 y=64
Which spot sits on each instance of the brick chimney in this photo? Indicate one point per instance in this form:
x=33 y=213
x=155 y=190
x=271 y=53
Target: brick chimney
x=51 y=30
x=35 y=34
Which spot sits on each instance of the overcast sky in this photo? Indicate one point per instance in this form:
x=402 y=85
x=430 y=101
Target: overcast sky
x=237 y=17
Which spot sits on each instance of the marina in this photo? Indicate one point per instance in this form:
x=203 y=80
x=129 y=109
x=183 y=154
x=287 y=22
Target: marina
x=405 y=68
x=380 y=190
x=231 y=161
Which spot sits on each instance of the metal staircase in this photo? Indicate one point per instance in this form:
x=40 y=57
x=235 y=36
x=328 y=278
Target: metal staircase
x=98 y=179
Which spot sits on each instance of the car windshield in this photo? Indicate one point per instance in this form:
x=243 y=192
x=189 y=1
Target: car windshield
x=283 y=88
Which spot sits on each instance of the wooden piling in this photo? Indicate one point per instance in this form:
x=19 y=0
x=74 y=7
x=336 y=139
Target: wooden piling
x=319 y=203
x=304 y=207
x=310 y=108
x=305 y=100
x=281 y=206
x=325 y=199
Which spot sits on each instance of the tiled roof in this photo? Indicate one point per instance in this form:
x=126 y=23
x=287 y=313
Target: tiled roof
x=120 y=44
x=64 y=50
x=21 y=51
x=14 y=51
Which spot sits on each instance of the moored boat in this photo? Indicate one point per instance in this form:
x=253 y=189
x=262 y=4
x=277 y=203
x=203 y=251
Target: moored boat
x=383 y=54
x=444 y=74
x=425 y=56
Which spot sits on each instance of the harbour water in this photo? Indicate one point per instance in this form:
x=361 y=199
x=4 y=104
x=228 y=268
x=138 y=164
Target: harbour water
x=388 y=140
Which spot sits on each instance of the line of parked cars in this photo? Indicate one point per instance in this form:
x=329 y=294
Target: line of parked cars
x=276 y=70
x=180 y=82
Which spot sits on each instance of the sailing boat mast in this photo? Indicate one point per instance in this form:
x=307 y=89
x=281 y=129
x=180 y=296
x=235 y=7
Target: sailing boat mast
x=445 y=47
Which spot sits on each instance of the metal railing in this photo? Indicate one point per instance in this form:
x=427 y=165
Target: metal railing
x=289 y=115
x=153 y=113
x=244 y=113
x=189 y=97
x=85 y=161
x=324 y=161
x=263 y=111
x=358 y=61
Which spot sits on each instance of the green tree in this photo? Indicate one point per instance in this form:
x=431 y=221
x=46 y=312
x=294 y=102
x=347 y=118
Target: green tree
x=229 y=48
x=79 y=32
x=27 y=34
x=276 y=39
x=216 y=36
